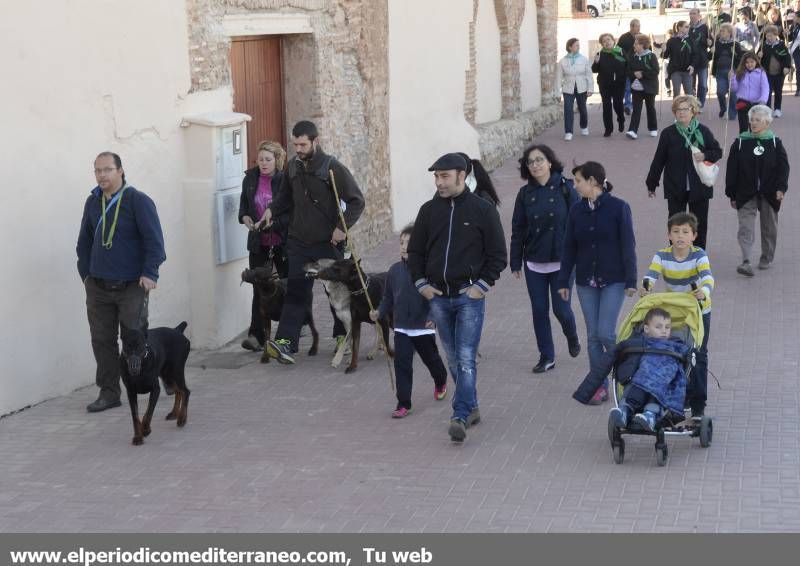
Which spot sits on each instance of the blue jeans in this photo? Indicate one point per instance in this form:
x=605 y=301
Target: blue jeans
x=542 y=288
x=600 y=309
x=726 y=103
x=569 y=110
x=626 y=98
x=697 y=392
x=459 y=321
x=702 y=84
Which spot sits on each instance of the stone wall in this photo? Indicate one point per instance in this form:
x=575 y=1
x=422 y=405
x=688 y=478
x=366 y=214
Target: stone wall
x=505 y=138
x=337 y=76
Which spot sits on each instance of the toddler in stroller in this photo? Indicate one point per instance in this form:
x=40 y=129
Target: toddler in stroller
x=650 y=367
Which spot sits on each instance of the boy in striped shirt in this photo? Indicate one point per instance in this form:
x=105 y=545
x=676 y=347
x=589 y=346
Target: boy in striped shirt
x=682 y=264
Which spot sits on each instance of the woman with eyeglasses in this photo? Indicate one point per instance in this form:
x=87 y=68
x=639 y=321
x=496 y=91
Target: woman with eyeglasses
x=674 y=158
x=537 y=234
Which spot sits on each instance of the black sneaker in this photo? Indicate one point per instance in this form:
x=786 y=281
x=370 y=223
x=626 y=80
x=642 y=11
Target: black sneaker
x=457 y=430
x=544 y=365
x=280 y=350
x=574 y=346
x=474 y=417
x=103 y=403
x=607 y=133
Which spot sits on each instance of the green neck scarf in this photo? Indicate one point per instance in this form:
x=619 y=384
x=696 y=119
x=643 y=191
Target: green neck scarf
x=615 y=52
x=691 y=133
x=765 y=135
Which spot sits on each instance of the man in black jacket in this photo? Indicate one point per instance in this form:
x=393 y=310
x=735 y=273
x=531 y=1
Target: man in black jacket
x=315 y=232
x=626 y=41
x=456 y=253
x=700 y=40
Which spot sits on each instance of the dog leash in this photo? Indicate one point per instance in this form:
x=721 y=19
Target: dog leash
x=357 y=262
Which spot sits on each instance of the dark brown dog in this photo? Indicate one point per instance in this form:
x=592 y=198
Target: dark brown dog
x=146 y=356
x=345 y=271
x=272 y=291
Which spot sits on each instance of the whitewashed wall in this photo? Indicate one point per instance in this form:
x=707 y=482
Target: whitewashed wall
x=529 y=63
x=488 y=64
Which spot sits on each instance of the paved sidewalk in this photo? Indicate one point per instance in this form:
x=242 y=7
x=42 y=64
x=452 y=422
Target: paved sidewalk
x=308 y=448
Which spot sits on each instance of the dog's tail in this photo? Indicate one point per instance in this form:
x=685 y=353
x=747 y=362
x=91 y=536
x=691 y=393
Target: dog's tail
x=182 y=326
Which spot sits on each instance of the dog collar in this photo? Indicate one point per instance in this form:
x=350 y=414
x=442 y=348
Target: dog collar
x=363 y=289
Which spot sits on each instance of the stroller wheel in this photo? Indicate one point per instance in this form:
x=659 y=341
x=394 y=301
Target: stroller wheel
x=618 y=450
x=613 y=432
x=662 y=453
x=706 y=431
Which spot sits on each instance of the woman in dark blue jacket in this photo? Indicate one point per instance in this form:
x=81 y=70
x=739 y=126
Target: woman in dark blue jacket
x=537 y=235
x=599 y=244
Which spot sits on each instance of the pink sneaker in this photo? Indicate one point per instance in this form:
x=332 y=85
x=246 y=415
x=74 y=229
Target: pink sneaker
x=400 y=412
x=439 y=393
x=600 y=396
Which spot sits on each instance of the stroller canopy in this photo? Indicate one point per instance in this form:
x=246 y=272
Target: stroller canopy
x=682 y=307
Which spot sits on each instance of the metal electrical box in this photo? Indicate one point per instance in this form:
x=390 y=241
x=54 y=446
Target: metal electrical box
x=231 y=237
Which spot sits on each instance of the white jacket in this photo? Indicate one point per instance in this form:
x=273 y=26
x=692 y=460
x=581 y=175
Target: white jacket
x=575 y=73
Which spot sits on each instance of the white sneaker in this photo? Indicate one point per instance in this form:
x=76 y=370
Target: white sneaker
x=653 y=133
x=631 y=134
x=567 y=137
x=778 y=113
x=585 y=131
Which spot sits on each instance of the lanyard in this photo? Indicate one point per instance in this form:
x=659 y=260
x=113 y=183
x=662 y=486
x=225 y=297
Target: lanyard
x=106 y=242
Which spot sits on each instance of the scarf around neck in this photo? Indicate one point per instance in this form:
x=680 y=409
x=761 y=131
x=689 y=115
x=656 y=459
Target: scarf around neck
x=765 y=135
x=615 y=52
x=691 y=133
x=572 y=57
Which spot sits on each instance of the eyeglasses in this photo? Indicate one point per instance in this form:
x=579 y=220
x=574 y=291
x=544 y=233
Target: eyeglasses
x=537 y=161
x=683 y=109
x=105 y=171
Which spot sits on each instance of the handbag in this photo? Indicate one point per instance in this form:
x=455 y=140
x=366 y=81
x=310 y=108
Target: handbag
x=706 y=170
x=741 y=104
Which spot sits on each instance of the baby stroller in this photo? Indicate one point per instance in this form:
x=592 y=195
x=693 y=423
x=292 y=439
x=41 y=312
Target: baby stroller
x=687 y=324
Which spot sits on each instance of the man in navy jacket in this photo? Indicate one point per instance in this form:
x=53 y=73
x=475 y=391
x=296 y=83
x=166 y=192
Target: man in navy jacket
x=120 y=247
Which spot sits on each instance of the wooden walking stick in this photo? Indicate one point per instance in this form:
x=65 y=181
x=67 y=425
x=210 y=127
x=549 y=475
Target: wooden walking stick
x=357 y=261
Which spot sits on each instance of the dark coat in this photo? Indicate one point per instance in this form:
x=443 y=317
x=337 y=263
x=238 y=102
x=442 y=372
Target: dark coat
x=780 y=52
x=649 y=67
x=626 y=41
x=306 y=197
x=698 y=36
x=748 y=174
x=457 y=242
x=401 y=299
x=674 y=159
x=680 y=53
x=611 y=72
x=247 y=207
x=599 y=244
x=540 y=220
x=725 y=48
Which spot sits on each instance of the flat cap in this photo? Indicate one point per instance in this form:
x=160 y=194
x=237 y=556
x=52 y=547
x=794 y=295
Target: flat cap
x=449 y=161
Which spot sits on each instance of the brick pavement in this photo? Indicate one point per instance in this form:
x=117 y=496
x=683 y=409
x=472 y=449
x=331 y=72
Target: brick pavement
x=308 y=448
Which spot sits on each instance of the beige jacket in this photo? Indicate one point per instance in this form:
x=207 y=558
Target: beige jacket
x=575 y=73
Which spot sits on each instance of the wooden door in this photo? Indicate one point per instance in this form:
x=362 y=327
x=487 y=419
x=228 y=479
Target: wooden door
x=258 y=89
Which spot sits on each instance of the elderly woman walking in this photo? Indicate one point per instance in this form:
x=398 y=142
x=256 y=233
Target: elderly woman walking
x=576 y=80
x=537 y=236
x=600 y=245
x=610 y=65
x=756 y=181
x=674 y=158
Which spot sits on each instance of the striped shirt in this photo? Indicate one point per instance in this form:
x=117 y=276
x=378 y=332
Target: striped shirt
x=679 y=275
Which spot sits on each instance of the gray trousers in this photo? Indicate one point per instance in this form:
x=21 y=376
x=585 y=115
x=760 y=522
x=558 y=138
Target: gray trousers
x=106 y=310
x=682 y=78
x=747 y=228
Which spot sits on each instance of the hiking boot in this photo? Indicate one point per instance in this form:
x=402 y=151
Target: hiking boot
x=439 y=393
x=600 y=396
x=646 y=420
x=280 y=350
x=574 y=346
x=474 y=417
x=763 y=264
x=544 y=365
x=251 y=343
x=401 y=412
x=745 y=268
x=457 y=430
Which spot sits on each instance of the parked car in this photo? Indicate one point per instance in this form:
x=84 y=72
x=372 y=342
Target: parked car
x=597 y=8
x=643 y=4
x=689 y=4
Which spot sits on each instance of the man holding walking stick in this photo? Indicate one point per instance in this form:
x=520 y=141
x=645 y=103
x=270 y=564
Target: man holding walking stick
x=315 y=229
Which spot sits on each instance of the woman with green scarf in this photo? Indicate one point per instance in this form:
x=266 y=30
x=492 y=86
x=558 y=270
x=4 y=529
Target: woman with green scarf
x=610 y=65
x=674 y=158
x=756 y=181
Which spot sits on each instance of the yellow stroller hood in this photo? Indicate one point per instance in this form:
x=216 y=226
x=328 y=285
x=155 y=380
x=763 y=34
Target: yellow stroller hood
x=682 y=307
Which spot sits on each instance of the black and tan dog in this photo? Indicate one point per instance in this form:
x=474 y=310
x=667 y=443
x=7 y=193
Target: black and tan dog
x=146 y=356
x=347 y=297
x=271 y=293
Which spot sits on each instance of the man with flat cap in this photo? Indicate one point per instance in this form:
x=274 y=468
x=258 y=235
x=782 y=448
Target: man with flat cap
x=456 y=253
